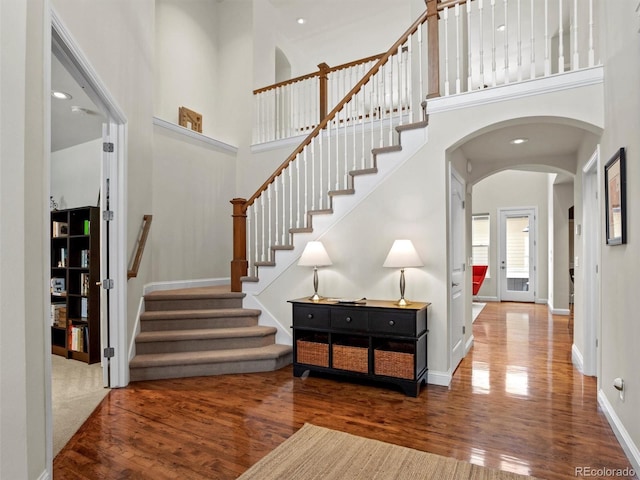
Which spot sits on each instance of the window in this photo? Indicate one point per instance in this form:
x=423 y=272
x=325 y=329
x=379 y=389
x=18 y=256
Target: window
x=480 y=236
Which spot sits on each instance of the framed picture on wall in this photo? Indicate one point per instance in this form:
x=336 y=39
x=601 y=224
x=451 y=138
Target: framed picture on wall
x=616 y=198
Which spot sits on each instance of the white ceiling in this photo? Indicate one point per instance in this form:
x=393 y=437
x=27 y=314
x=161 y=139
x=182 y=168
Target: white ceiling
x=70 y=128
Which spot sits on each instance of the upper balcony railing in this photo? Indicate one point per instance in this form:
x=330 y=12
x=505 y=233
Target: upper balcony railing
x=470 y=46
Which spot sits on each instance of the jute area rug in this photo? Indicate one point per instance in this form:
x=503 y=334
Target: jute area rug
x=320 y=453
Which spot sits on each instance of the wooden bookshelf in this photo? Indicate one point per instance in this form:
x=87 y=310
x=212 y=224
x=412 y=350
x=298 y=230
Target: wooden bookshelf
x=75 y=273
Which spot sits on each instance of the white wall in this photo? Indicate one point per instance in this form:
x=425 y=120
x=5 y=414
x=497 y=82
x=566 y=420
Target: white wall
x=23 y=245
x=185 y=67
x=620 y=326
x=508 y=189
x=192 y=186
x=75 y=175
x=559 y=232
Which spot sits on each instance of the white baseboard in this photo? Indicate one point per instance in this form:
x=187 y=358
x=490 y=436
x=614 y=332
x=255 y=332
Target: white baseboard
x=439 y=378
x=576 y=358
x=479 y=298
x=559 y=311
x=626 y=442
x=468 y=345
x=542 y=301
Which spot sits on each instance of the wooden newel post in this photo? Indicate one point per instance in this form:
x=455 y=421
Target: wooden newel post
x=433 y=49
x=324 y=97
x=239 y=263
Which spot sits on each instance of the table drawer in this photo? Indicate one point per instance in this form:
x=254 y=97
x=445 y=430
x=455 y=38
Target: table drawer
x=349 y=319
x=398 y=323
x=313 y=317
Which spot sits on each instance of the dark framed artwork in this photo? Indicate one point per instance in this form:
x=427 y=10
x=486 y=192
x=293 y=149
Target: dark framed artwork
x=616 y=199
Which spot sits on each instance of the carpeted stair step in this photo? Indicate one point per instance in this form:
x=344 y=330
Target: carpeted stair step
x=216 y=362
x=194 y=340
x=200 y=298
x=188 y=319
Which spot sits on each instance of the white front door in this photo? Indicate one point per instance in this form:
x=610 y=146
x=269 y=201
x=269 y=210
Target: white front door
x=457 y=263
x=517 y=255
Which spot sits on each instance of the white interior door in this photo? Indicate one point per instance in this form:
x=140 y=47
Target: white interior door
x=517 y=255
x=457 y=262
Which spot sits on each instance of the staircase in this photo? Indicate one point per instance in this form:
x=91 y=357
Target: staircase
x=203 y=331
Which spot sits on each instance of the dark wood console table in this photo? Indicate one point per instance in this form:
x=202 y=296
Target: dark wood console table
x=376 y=340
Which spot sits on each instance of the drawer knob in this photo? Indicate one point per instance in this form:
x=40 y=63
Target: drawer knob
x=392 y=323
x=348 y=319
x=310 y=316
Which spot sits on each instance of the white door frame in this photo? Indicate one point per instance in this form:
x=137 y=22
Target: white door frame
x=456 y=285
x=589 y=269
x=533 y=265
x=79 y=67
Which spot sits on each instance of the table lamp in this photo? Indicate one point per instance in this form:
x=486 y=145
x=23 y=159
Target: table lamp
x=402 y=255
x=314 y=255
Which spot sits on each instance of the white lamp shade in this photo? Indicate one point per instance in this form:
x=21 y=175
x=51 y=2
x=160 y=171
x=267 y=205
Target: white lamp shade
x=314 y=255
x=402 y=255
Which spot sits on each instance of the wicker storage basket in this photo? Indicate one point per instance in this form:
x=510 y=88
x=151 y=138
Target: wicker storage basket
x=394 y=360
x=313 y=350
x=352 y=355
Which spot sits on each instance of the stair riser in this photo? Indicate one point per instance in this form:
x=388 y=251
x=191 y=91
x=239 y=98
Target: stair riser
x=192 y=304
x=176 y=346
x=180 y=371
x=193 y=323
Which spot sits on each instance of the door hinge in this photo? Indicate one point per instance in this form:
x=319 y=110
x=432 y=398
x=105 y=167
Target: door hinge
x=596 y=268
x=463 y=204
x=108 y=283
x=107 y=147
x=107 y=215
x=464 y=329
x=596 y=343
x=109 y=352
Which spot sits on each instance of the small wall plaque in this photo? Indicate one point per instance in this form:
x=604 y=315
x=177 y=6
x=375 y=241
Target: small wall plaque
x=189 y=119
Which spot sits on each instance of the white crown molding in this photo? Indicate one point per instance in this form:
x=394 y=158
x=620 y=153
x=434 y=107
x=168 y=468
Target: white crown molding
x=208 y=141
x=513 y=91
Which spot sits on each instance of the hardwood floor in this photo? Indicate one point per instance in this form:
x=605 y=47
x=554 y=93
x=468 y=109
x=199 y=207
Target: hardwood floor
x=515 y=403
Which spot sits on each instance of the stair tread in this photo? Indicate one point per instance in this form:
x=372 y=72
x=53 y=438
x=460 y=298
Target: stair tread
x=325 y=211
x=301 y=230
x=206 y=313
x=217 y=291
x=363 y=171
x=205 y=333
x=412 y=126
x=390 y=148
x=346 y=191
x=212 y=356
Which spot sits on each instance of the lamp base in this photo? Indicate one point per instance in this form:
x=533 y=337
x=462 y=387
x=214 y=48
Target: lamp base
x=403 y=302
x=315 y=297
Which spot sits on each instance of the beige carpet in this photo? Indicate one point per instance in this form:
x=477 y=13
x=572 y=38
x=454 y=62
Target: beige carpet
x=76 y=390
x=319 y=453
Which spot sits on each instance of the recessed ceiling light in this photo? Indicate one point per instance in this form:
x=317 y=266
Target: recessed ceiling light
x=60 y=95
x=518 y=141
x=501 y=28
x=301 y=20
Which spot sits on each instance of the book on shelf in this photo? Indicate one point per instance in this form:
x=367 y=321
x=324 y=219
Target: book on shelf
x=63 y=257
x=87 y=227
x=84 y=284
x=77 y=338
x=84 y=309
x=59 y=315
x=60 y=229
x=84 y=258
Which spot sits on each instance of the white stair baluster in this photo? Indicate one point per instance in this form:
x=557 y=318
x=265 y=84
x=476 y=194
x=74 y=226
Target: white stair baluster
x=270 y=223
x=547 y=41
x=285 y=211
x=592 y=56
x=575 y=61
x=458 y=59
x=421 y=53
x=494 y=68
x=519 y=41
x=506 y=43
x=264 y=226
x=298 y=203
x=276 y=213
x=469 y=45
x=560 y=39
x=313 y=172
x=409 y=79
x=381 y=101
x=533 y=44
x=481 y=43
x=446 y=51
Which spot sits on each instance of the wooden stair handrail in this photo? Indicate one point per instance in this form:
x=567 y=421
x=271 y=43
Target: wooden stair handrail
x=338 y=107
x=146 y=225
x=318 y=73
